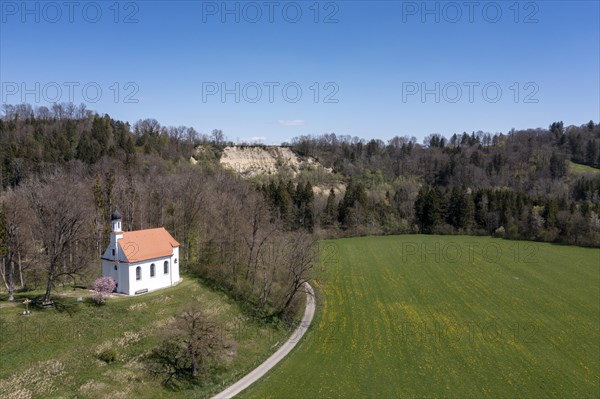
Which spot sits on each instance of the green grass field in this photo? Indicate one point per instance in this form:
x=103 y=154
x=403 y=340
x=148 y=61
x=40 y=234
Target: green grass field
x=579 y=168
x=54 y=353
x=424 y=316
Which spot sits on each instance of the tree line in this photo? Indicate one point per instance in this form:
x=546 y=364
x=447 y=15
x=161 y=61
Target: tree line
x=63 y=170
x=515 y=185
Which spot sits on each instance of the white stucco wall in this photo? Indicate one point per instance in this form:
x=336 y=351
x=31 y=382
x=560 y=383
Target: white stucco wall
x=160 y=279
x=121 y=275
x=125 y=274
x=175 y=265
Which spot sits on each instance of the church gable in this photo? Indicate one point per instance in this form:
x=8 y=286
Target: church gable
x=114 y=253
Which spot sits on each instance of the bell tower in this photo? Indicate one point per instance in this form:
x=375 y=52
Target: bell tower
x=116 y=233
x=115 y=220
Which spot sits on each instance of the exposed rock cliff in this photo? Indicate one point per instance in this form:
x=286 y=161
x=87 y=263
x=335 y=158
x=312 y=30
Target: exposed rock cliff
x=253 y=161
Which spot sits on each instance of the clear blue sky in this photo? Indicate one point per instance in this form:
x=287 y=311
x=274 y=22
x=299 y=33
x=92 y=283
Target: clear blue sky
x=370 y=62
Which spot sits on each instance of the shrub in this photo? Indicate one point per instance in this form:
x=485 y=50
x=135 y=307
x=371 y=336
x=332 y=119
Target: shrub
x=500 y=232
x=108 y=355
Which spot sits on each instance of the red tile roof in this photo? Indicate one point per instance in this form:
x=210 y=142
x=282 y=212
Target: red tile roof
x=147 y=244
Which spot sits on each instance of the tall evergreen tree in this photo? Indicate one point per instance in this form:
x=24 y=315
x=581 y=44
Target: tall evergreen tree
x=429 y=208
x=558 y=166
x=550 y=213
x=356 y=194
x=330 y=213
x=309 y=207
x=285 y=204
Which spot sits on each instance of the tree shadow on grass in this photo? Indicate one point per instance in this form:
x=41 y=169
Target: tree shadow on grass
x=61 y=305
x=67 y=305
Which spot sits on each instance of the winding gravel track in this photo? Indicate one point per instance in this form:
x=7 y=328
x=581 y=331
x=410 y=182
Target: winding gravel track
x=276 y=357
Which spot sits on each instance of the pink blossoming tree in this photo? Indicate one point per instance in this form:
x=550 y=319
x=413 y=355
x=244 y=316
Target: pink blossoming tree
x=103 y=287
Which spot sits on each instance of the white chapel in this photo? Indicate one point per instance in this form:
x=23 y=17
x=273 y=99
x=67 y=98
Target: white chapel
x=140 y=261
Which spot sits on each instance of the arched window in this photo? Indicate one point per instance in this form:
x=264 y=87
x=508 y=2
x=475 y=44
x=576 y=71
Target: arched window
x=138 y=273
x=166 y=267
x=152 y=270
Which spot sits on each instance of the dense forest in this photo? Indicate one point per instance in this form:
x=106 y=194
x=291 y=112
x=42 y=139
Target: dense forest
x=64 y=169
x=536 y=184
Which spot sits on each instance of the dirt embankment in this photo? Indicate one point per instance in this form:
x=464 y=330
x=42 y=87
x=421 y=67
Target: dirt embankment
x=254 y=161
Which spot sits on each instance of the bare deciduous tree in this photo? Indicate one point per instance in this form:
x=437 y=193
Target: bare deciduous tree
x=217 y=136
x=10 y=243
x=189 y=346
x=190 y=198
x=60 y=215
x=299 y=259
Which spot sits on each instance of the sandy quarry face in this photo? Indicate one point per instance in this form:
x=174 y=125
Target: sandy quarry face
x=253 y=161
x=339 y=190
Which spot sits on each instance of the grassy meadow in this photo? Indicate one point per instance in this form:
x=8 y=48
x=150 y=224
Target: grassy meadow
x=448 y=317
x=580 y=168
x=54 y=353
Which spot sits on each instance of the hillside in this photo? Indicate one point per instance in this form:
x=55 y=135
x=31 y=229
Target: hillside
x=577 y=168
x=57 y=352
